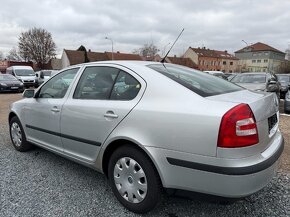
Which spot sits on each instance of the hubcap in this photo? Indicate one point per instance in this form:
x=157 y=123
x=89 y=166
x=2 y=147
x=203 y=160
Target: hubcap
x=16 y=134
x=130 y=180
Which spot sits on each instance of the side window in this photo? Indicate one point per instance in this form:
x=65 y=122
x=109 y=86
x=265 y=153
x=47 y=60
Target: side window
x=126 y=87
x=96 y=82
x=58 y=85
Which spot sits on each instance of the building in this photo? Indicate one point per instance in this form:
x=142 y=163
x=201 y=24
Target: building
x=229 y=63
x=181 y=61
x=212 y=60
x=73 y=57
x=123 y=56
x=260 y=57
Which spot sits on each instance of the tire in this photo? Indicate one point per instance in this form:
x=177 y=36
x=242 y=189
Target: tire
x=142 y=189
x=17 y=136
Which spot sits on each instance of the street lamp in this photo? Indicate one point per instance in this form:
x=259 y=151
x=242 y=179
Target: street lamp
x=112 y=46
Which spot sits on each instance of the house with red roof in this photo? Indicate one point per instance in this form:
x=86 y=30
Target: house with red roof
x=184 y=61
x=212 y=60
x=73 y=57
x=260 y=57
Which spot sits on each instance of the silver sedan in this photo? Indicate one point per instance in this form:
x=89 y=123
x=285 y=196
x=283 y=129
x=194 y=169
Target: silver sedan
x=150 y=126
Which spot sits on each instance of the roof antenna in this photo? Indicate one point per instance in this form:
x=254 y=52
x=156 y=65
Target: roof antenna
x=163 y=59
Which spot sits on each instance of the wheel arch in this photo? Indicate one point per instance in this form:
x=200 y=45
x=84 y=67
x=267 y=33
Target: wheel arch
x=11 y=115
x=120 y=142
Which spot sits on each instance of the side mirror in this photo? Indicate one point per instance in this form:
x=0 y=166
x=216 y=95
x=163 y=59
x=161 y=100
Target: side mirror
x=28 y=93
x=36 y=75
x=272 y=82
x=41 y=75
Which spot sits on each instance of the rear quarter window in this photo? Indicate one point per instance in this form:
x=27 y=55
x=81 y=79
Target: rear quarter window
x=199 y=82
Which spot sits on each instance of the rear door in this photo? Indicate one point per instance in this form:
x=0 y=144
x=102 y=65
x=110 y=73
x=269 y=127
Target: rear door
x=103 y=96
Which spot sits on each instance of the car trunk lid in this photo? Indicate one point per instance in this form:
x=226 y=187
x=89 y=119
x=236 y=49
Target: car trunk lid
x=265 y=107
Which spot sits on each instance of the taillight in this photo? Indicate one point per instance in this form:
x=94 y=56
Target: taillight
x=238 y=128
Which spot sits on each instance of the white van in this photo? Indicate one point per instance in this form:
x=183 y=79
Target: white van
x=44 y=75
x=25 y=74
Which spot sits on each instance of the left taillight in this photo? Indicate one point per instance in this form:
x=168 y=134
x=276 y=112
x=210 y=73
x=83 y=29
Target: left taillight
x=238 y=128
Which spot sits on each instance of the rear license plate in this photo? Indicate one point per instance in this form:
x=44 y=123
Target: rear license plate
x=272 y=121
x=14 y=88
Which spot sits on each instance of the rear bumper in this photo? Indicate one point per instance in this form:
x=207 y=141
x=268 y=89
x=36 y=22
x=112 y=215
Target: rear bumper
x=231 y=178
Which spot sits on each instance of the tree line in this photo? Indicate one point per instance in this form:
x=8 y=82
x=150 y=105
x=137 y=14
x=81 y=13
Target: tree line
x=36 y=45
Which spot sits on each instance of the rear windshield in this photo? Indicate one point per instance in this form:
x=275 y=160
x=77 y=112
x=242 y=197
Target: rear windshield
x=199 y=82
x=283 y=78
x=248 y=78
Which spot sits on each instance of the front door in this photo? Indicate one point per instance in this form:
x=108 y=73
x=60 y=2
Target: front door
x=42 y=113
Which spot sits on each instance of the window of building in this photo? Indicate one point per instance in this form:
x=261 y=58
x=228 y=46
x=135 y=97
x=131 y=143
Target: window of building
x=266 y=53
x=253 y=61
x=231 y=63
x=258 y=61
x=224 y=63
x=265 y=61
x=254 y=54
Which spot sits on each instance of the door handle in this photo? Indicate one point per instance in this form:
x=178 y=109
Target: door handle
x=55 y=109
x=110 y=114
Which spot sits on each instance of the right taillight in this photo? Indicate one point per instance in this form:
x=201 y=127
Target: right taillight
x=238 y=128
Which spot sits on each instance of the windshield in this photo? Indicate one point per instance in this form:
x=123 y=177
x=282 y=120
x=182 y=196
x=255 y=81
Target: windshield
x=24 y=72
x=283 y=78
x=46 y=73
x=197 y=81
x=7 y=78
x=249 y=78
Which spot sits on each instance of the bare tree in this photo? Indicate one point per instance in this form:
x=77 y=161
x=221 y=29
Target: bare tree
x=13 y=55
x=148 y=50
x=36 y=45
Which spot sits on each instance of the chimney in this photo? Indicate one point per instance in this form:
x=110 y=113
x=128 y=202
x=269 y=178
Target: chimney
x=226 y=51
x=174 y=56
x=118 y=51
x=89 y=50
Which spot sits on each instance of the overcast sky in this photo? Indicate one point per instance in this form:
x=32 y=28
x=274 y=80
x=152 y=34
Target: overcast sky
x=215 y=24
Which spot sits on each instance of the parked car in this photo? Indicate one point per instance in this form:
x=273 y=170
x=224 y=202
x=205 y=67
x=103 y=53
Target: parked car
x=44 y=75
x=9 y=83
x=287 y=102
x=258 y=81
x=217 y=74
x=169 y=127
x=25 y=74
x=231 y=75
x=284 y=80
